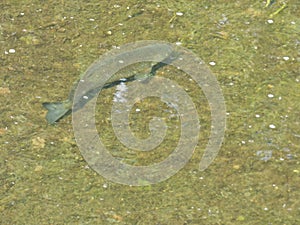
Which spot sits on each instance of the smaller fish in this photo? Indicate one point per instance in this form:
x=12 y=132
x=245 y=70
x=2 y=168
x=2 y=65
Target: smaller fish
x=57 y=110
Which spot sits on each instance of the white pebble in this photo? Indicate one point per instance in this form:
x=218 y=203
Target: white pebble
x=272 y=126
x=212 y=63
x=179 y=13
x=270 y=21
x=286 y=58
x=138 y=110
x=257 y=115
x=11 y=50
x=270 y=95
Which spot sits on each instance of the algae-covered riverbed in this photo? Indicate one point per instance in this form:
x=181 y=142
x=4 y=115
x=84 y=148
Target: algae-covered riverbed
x=253 y=49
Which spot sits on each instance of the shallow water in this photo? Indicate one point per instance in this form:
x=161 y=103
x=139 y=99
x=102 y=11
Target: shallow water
x=255 y=179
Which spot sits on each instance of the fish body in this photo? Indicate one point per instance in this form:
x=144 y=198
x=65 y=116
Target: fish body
x=57 y=110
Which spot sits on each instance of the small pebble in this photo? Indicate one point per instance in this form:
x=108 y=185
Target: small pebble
x=270 y=21
x=236 y=167
x=179 y=13
x=286 y=58
x=265 y=155
x=11 y=50
x=212 y=63
x=272 y=126
x=270 y=95
x=38 y=168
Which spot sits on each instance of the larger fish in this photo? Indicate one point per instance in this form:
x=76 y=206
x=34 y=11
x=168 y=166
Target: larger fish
x=57 y=110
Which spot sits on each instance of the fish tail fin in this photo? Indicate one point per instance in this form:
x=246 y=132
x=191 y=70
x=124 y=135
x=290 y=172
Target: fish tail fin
x=56 y=110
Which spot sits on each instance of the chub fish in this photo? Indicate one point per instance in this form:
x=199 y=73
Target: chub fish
x=57 y=110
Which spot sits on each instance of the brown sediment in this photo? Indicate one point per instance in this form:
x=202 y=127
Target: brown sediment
x=4 y=90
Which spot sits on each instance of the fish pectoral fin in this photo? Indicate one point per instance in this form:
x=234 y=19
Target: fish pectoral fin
x=56 y=110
